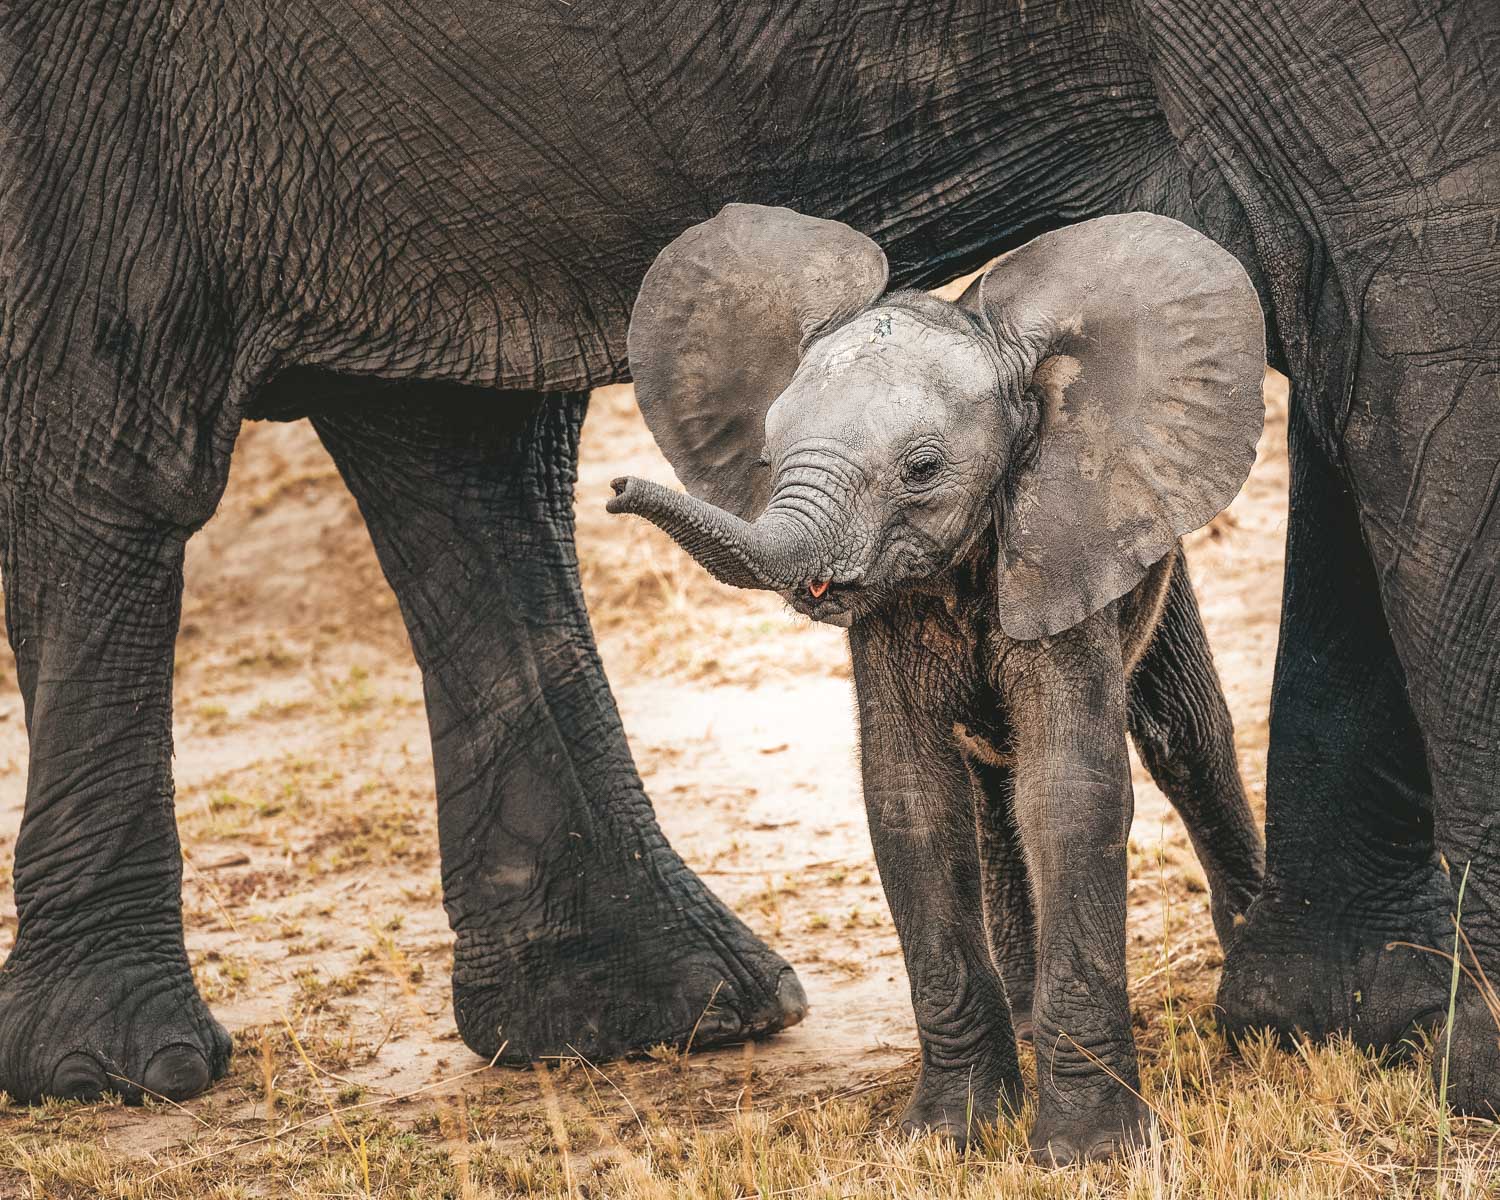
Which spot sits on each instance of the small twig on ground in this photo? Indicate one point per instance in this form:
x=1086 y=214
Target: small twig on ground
x=639 y=1123
x=559 y=1126
x=718 y=987
x=159 y=1096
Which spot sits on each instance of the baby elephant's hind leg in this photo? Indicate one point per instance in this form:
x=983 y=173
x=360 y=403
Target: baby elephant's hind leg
x=1005 y=887
x=1182 y=729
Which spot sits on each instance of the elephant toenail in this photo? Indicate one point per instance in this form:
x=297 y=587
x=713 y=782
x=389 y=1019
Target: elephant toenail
x=1103 y=1150
x=176 y=1072
x=790 y=998
x=1053 y=1154
x=78 y=1077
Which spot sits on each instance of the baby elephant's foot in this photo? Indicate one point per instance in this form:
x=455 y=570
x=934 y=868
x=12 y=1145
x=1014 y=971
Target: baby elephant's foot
x=955 y=1103
x=1065 y=1138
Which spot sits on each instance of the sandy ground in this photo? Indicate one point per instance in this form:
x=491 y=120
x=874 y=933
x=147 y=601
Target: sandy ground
x=305 y=798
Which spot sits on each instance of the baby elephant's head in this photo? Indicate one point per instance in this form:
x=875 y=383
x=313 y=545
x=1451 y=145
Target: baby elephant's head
x=1091 y=398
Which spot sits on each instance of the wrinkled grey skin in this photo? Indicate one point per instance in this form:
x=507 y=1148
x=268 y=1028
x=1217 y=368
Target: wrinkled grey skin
x=996 y=776
x=423 y=225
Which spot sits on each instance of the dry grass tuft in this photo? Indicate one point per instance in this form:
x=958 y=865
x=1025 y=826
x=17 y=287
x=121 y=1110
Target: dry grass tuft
x=1315 y=1122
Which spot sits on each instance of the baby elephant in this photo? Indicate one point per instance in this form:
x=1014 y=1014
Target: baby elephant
x=989 y=495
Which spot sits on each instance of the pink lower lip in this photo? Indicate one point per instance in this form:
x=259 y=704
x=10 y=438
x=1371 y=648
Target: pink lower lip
x=818 y=589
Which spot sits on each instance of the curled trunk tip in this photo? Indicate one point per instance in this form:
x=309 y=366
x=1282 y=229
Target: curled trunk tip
x=770 y=554
x=629 y=494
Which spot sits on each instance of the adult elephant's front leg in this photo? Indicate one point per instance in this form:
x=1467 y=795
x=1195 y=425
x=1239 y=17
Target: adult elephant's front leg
x=97 y=995
x=578 y=927
x=921 y=810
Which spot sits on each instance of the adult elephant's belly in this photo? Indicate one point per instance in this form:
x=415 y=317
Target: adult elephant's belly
x=469 y=193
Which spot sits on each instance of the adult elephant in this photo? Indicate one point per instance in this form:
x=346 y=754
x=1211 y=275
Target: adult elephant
x=422 y=226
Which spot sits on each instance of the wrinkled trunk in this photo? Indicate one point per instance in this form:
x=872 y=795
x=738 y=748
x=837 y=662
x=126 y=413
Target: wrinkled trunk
x=778 y=552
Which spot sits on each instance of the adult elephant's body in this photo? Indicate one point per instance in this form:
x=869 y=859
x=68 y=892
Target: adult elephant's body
x=225 y=211
x=471 y=191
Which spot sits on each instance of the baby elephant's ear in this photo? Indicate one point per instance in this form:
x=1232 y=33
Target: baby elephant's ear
x=1142 y=342
x=718 y=330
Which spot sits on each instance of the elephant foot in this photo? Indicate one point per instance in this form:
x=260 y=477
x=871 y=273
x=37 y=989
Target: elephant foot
x=1070 y=1137
x=954 y=1103
x=1474 y=1063
x=632 y=974
x=136 y=1026
x=1298 y=966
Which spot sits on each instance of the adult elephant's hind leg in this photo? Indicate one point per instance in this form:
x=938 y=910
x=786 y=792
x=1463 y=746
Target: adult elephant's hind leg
x=1351 y=867
x=1424 y=448
x=97 y=994
x=578 y=927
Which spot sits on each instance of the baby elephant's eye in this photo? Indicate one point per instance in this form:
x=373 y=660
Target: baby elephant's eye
x=921 y=469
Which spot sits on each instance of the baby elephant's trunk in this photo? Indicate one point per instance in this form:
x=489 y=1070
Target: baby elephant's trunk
x=773 y=554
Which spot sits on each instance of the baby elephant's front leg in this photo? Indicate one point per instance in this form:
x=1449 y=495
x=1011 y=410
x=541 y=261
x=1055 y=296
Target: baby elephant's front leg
x=921 y=813
x=1066 y=701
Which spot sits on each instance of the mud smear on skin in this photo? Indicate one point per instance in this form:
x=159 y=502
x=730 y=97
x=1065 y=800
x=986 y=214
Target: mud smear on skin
x=305 y=800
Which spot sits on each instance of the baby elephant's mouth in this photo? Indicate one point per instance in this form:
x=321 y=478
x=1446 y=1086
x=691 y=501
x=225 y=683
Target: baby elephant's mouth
x=825 y=601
